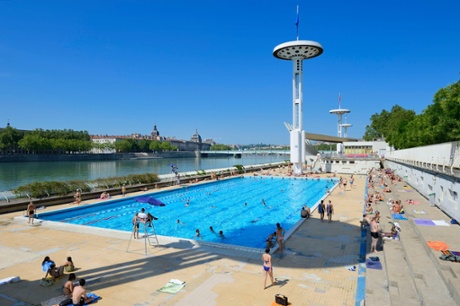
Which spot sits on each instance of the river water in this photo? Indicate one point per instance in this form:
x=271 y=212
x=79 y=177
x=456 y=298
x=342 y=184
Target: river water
x=13 y=175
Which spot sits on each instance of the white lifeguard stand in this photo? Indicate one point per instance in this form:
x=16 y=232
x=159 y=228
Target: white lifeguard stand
x=146 y=235
x=297 y=51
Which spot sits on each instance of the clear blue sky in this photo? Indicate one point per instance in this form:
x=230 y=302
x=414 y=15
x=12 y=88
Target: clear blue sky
x=121 y=66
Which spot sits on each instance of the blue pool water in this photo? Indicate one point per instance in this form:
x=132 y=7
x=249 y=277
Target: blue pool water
x=218 y=204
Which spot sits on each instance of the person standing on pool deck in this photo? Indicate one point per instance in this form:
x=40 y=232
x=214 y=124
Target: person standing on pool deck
x=374 y=234
x=268 y=268
x=135 y=222
x=321 y=209
x=123 y=190
x=280 y=237
x=31 y=212
x=329 y=210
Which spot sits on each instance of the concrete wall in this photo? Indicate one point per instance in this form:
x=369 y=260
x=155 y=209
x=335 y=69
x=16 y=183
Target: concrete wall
x=433 y=171
x=349 y=165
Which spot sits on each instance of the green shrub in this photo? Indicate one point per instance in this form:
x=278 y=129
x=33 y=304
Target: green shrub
x=53 y=188
x=239 y=168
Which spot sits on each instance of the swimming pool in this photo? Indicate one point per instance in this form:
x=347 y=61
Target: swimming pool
x=233 y=206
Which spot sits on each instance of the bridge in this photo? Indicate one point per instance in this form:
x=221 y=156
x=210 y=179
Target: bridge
x=240 y=153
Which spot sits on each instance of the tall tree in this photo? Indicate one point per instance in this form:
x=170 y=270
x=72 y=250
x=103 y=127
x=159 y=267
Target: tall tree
x=9 y=138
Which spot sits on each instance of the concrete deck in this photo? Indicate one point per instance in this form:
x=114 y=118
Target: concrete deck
x=313 y=271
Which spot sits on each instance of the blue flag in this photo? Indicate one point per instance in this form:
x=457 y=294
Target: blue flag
x=297 y=23
x=297 y=18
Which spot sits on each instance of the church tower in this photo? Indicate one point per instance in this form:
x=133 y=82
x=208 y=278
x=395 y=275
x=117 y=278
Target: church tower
x=155 y=134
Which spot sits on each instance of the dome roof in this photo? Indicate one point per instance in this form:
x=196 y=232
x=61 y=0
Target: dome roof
x=196 y=137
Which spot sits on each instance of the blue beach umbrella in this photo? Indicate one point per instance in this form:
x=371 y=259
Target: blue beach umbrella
x=150 y=200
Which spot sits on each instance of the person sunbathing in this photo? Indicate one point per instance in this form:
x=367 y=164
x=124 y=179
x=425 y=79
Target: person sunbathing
x=369 y=208
x=68 y=265
x=68 y=286
x=396 y=208
x=393 y=234
x=55 y=272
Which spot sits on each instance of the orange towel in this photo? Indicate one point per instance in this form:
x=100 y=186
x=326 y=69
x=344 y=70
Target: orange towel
x=438 y=245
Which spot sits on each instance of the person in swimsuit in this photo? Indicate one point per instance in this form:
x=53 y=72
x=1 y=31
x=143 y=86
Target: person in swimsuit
x=77 y=196
x=31 y=212
x=55 y=272
x=135 y=222
x=280 y=237
x=329 y=210
x=69 y=265
x=374 y=234
x=68 y=286
x=79 y=296
x=321 y=209
x=269 y=240
x=268 y=269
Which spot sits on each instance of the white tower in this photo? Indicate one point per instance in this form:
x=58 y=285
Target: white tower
x=345 y=127
x=339 y=112
x=297 y=51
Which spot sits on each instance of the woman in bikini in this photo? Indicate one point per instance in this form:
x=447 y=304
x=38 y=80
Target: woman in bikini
x=69 y=265
x=280 y=237
x=268 y=269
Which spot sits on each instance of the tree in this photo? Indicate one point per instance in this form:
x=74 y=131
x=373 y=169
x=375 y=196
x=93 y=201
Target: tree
x=220 y=147
x=124 y=146
x=9 y=138
x=438 y=122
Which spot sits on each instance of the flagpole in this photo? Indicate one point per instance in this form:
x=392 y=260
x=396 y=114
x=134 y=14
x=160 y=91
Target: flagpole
x=297 y=23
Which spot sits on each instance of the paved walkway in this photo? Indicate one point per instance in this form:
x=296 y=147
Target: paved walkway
x=314 y=270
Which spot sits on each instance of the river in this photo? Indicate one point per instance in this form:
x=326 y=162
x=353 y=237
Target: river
x=13 y=175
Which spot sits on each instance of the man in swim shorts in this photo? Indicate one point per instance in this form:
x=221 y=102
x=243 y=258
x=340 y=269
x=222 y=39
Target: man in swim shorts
x=374 y=234
x=31 y=212
x=79 y=296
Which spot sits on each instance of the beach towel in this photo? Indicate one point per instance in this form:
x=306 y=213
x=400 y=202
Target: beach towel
x=419 y=211
x=399 y=217
x=54 y=301
x=427 y=222
x=95 y=298
x=173 y=286
x=59 y=299
x=370 y=264
x=438 y=245
x=12 y=279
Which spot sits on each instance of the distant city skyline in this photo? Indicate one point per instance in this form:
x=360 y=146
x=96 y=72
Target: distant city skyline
x=118 y=67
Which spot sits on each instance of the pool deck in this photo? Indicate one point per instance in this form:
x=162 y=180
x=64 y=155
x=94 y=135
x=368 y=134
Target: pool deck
x=315 y=269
